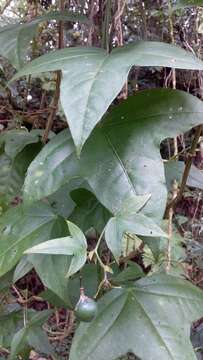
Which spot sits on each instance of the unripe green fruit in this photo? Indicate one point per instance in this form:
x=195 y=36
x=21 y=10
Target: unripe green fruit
x=86 y=309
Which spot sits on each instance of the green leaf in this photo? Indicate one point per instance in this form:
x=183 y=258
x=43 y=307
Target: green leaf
x=85 y=92
x=138 y=224
x=131 y=273
x=6 y=281
x=16 y=140
x=11 y=181
x=88 y=211
x=14 y=39
x=121 y=159
x=11 y=321
x=131 y=208
x=19 y=149
x=90 y=280
x=39 y=318
x=179 y=4
x=74 y=245
x=62 y=202
x=89 y=275
x=32 y=336
x=158 y=309
x=49 y=170
x=20 y=228
x=38 y=340
x=23 y=267
x=53 y=299
x=52 y=270
x=18 y=344
x=174 y=171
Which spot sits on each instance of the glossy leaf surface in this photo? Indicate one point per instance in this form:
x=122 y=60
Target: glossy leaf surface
x=160 y=308
x=15 y=39
x=138 y=224
x=88 y=211
x=55 y=165
x=118 y=171
x=32 y=336
x=74 y=246
x=85 y=90
x=22 y=227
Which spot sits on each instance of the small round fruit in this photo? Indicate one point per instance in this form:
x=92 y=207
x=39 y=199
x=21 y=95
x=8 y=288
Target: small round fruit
x=86 y=309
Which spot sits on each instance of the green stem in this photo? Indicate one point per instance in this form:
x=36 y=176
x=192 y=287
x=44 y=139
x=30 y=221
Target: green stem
x=100 y=238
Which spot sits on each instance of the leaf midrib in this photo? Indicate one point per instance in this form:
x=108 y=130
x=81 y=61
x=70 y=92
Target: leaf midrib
x=179 y=296
x=153 y=325
x=37 y=66
x=128 y=299
x=116 y=155
x=94 y=80
x=113 y=123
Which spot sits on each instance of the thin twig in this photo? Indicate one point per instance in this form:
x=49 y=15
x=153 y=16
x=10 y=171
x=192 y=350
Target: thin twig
x=59 y=336
x=5 y=6
x=118 y=27
x=143 y=14
x=170 y=228
x=173 y=71
x=106 y=25
x=188 y=164
x=5 y=351
x=54 y=104
x=93 y=12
